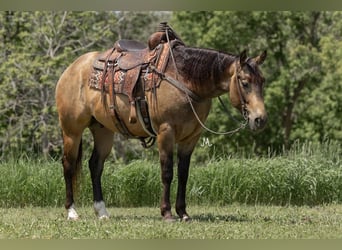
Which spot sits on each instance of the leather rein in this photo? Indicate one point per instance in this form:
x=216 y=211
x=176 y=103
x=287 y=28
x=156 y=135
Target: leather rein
x=244 y=113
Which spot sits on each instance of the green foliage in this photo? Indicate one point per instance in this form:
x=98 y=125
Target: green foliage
x=35 y=48
x=302 y=71
x=36 y=53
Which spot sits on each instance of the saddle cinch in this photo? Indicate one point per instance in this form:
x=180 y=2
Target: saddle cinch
x=124 y=69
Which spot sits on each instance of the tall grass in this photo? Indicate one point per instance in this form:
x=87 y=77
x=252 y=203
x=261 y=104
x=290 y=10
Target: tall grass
x=306 y=175
x=26 y=181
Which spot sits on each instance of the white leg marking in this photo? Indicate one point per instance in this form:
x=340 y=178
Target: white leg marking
x=100 y=210
x=72 y=214
x=185 y=218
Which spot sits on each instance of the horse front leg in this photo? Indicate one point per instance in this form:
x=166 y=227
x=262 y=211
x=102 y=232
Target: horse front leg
x=166 y=162
x=184 y=153
x=165 y=145
x=183 y=174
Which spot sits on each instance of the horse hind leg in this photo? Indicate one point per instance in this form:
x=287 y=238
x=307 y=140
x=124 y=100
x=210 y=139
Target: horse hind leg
x=72 y=155
x=103 y=142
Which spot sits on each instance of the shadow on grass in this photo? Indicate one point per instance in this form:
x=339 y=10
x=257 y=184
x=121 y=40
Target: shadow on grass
x=209 y=217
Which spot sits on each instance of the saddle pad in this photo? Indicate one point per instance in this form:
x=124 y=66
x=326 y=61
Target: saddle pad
x=124 y=81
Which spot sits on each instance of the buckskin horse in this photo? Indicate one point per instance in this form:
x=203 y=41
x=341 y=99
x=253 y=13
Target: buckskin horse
x=160 y=92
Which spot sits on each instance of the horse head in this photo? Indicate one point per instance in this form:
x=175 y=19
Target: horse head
x=246 y=90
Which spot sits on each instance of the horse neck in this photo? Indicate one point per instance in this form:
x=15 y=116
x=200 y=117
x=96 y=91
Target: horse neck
x=206 y=72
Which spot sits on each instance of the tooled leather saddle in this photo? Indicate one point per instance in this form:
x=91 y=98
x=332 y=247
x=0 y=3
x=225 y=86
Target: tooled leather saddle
x=126 y=69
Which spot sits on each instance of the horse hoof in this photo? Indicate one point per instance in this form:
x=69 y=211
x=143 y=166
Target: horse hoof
x=186 y=218
x=72 y=214
x=104 y=217
x=73 y=218
x=100 y=210
x=168 y=218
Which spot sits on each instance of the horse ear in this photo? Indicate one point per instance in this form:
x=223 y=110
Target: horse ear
x=243 y=57
x=261 y=58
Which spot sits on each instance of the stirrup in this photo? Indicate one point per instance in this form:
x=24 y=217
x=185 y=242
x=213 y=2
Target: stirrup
x=149 y=143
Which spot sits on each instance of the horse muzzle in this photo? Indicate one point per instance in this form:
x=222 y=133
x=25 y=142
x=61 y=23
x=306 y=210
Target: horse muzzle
x=257 y=121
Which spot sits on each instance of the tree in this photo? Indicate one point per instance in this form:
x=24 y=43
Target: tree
x=35 y=48
x=298 y=45
x=37 y=53
x=322 y=110
x=303 y=71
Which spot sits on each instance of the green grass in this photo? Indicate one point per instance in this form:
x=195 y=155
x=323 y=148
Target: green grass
x=307 y=175
x=295 y=195
x=221 y=222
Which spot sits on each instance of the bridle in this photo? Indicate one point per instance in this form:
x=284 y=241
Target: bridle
x=243 y=102
x=191 y=96
x=244 y=111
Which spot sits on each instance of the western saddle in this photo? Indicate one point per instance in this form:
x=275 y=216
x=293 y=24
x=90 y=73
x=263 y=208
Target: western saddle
x=127 y=69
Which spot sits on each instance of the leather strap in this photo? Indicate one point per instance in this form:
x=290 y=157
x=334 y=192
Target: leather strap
x=177 y=84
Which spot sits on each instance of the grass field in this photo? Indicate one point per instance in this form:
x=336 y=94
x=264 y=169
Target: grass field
x=290 y=196
x=226 y=222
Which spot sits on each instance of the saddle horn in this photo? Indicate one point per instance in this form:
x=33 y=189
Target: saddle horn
x=164 y=34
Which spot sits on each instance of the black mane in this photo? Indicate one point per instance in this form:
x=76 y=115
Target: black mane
x=200 y=65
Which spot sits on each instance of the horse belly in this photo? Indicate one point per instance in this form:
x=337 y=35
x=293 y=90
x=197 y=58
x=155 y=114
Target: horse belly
x=105 y=117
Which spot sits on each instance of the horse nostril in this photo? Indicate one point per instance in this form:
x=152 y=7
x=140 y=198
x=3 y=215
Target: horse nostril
x=259 y=121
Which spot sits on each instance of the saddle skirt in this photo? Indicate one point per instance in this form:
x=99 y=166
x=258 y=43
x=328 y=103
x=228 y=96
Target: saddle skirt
x=123 y=69
x=126 y=69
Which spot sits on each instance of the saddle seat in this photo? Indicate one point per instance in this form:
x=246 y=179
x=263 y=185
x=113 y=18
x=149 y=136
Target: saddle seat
x=129 y=45
x=128 y=54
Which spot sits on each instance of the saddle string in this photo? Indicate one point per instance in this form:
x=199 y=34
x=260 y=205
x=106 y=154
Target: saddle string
x=170 y=49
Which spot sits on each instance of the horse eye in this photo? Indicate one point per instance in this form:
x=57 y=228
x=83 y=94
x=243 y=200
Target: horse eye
x=245 y=84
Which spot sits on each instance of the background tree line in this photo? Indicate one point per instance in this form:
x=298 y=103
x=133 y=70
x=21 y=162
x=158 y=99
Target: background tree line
x=303 y=70
x=303 y=92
